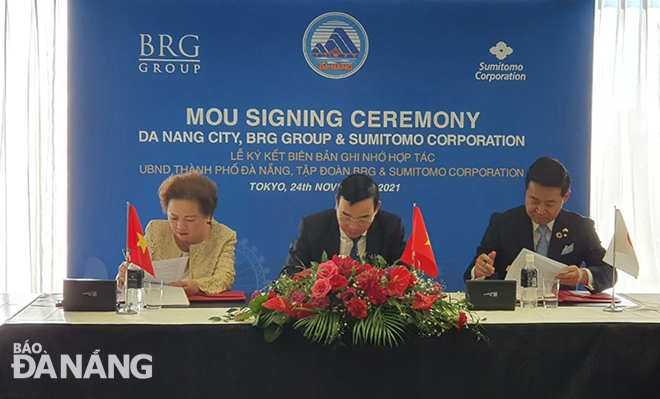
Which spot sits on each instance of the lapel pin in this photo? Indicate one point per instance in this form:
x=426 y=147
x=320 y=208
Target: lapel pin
x=559 y=235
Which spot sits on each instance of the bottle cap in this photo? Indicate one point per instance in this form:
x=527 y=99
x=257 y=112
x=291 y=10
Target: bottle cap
x=529 y=258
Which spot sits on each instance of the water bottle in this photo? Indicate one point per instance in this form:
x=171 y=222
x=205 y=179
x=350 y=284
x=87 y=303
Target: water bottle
x=529 y=282
x=142 y=293
x=133 y=288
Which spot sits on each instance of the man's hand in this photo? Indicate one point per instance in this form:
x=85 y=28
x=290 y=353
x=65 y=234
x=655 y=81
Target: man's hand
x=483 y=267
x=190 y=286
x=573 y=275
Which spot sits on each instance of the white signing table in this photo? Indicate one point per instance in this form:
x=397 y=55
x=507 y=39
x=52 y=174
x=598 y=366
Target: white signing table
x=42 y=310
x=572 y=351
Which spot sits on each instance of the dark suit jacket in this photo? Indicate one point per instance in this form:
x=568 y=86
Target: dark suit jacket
x=320 y=232
x=511 y=231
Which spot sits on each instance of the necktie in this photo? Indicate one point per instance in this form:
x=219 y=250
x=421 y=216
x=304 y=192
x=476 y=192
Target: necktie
x=543 y=244
x=354 y=251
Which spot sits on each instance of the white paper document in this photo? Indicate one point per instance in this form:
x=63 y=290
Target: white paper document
x=547 y=267
x=174 y=296
x=170 y=270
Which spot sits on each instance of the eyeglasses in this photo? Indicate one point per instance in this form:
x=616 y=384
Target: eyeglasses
x=348 y=219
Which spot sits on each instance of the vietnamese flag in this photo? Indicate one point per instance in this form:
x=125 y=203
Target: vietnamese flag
x=418 y=252
x=137 y=243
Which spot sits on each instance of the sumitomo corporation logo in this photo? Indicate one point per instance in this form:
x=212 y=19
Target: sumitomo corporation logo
x=335 y=45
x=167 y=54
x=502 y=69
x=501 y=51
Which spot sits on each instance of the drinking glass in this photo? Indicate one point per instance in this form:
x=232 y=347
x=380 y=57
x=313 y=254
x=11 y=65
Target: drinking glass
x=551 y=293
x=154 y=294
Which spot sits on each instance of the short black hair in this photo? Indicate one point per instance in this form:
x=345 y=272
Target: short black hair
x=549 y=172
x=358 y=187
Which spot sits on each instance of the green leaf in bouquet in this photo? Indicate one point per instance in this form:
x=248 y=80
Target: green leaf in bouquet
x=272 y=332
x=395 y=304
x=245 y=316
x=268 y=317
x=280 y=318
x=256 y=304
x=324 y=257
x=322 y=328
x=382 y=327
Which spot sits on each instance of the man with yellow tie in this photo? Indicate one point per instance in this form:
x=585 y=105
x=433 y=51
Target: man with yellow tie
x=542 y=225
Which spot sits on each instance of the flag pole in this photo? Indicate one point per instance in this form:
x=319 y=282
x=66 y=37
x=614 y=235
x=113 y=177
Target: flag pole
x=612 y=306
x=412 y=237
x=126 y=250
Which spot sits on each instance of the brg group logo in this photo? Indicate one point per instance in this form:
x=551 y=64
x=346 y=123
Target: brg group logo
x=335 y=45
x=168 y=54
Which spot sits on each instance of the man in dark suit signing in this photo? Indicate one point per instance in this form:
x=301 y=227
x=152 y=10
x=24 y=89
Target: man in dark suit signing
x=355 y=228
x=541 y=225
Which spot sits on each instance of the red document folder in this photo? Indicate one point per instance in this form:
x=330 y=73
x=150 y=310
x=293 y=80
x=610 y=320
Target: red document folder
x=585 y=297
x=229 y=296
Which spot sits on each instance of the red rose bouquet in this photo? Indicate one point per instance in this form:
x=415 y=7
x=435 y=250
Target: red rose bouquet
x=364 y=303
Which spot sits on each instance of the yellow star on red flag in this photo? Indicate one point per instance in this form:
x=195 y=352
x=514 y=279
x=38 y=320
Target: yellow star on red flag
x=418 y=252
x=142 y=242
x=137 y=242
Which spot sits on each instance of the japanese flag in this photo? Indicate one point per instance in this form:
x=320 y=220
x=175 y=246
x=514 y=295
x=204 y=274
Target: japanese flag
x=625 y=259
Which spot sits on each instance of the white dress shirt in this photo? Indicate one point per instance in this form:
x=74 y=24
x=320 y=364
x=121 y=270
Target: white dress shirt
x=346 y=244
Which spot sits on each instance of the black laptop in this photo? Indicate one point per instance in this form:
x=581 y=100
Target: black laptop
x=491 y=294
x=89 y=295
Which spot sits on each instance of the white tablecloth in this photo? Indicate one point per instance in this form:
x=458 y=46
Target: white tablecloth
x=43 y=311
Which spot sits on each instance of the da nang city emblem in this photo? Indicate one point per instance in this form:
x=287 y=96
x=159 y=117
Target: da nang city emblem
x=335 y=45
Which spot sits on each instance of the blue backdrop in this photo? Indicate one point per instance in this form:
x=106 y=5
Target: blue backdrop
x=445 y=103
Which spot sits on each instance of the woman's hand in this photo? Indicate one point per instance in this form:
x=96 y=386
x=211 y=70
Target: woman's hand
x=121 y=274
x=190 y=286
